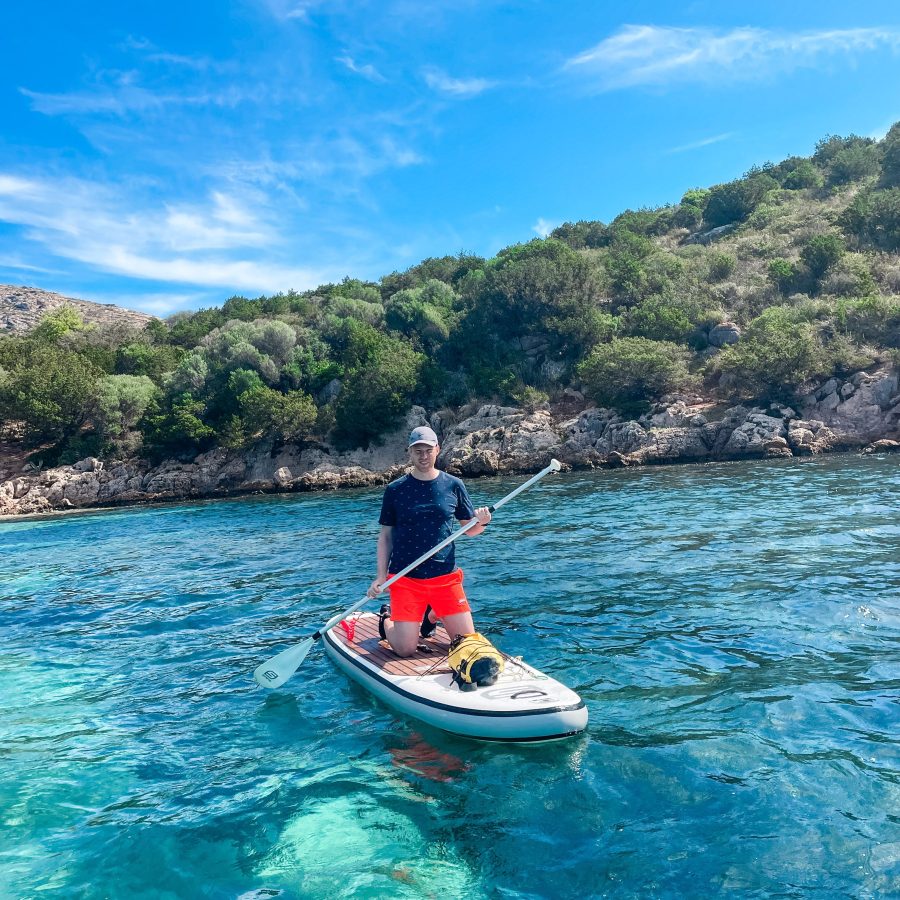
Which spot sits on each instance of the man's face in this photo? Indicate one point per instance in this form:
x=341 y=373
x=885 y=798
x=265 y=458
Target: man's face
x=423 y=456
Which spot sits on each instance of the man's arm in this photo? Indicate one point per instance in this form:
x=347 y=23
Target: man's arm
x=383 y=557
x=483 y=514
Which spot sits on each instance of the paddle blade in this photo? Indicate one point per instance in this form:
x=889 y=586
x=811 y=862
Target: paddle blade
x=275 y=672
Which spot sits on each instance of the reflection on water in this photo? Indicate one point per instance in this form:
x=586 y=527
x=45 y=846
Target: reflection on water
x=734 y=630
x=414 y=754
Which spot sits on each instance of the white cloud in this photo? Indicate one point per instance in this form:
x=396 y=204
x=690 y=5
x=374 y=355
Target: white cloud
x=367 y=71
x=703 y=142
x=542 y=227
x=220 y=243
x=157 y=304
x=125 y=98
x=457 y=87
x=657 y=55
x=286 y=10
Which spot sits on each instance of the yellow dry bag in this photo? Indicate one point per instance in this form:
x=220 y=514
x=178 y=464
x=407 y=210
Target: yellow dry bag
x=475 y=661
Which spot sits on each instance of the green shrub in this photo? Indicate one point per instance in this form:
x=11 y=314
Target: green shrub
x=267 y=412
x=875 y=319
x=854 y=163
x=582 y=235
x=874 y=218
x=821 y=253
x=721 y=266
x=828 y=147
x=629 y=373
x=782 y=274
x=54 y=325
x=805 y=175
x=377 y=391
x=122 y=401
x=671 y=317
x=775 y=354
x=735 y=201
x=151 y=360
x=53 y=394
x=890 y=163
x=176 y=425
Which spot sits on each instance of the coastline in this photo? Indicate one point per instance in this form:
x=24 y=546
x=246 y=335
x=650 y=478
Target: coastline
x=859 y=413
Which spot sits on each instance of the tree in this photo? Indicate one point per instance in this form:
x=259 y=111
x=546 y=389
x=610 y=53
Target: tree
x=286 y=417
x=832 y=144
x=874 y=218
x=54 y=325
x=378 y=389
x=890 y=163
x=543 y=292
x=628 y=373
x=782 y=274
x=805 y=175
x=821 y=253
x=854 y=163
x=176 y=425
x=582 y=235
x=775 y=354
x=53 y=394
x=733 y=202
x=122 y=401
x=147 y=359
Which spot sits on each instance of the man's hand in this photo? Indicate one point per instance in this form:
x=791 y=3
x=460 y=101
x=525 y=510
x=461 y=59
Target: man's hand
x=374 y=589
x=483 y=514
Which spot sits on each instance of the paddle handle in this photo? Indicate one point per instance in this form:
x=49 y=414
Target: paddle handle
x=553 y=467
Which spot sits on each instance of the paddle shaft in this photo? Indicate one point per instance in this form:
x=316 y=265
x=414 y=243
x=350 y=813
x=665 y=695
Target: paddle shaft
x=274 y=672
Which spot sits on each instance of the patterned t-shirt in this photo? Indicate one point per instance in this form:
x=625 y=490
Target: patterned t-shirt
x=421 y=514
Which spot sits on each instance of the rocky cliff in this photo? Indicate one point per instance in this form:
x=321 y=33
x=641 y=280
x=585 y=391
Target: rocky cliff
x=21 y=308
x=860 y=412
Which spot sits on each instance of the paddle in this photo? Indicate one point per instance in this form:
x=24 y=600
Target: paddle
x=278 y=669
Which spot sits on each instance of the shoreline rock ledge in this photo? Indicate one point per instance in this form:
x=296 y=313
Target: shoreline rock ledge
x=862 y=411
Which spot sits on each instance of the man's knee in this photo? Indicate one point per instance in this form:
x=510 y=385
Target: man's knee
x=404 y=638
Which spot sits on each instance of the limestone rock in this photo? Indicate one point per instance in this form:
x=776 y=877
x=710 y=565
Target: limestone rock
x=724 y=333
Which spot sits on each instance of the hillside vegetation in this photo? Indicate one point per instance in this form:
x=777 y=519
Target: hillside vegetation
x=746 y=290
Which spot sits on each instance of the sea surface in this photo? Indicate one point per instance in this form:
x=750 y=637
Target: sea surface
x=733 y=628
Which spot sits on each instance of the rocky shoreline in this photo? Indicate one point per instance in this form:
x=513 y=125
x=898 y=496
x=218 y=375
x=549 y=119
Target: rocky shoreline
x=860 y=412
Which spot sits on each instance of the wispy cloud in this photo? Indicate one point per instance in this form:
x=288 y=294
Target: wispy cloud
x=286 y=10
x=366 y=71
x=457 y=87
x=157 y=303
x=703 y=142
x=150 y=52
x=542 y=227
x=657 y=55
x=126 y=98
x=220 y=243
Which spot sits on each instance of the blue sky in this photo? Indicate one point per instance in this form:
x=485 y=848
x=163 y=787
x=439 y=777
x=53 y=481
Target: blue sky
x=165 y=156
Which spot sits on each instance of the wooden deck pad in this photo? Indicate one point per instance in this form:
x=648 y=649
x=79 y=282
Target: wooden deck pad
x=369 y=645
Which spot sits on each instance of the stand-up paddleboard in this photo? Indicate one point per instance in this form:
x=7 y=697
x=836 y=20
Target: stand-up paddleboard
x=523 y=705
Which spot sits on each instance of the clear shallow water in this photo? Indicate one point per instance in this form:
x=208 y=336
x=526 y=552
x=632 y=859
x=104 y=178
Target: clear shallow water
x=734 y=630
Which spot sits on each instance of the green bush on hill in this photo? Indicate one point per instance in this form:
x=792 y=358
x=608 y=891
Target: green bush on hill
x=52 y=394
x=629 y=373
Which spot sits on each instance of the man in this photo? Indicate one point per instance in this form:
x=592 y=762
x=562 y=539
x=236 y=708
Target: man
x=417 y=513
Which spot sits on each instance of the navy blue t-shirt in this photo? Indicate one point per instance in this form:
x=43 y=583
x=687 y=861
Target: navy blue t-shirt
x=421 y=514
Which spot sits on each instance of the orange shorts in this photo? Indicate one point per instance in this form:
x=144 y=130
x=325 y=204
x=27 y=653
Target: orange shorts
x=445 y=595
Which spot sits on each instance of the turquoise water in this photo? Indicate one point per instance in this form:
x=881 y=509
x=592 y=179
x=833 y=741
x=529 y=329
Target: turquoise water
x=734 y=630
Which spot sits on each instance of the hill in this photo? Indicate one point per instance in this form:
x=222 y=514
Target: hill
x=21 y=308
x=763 y=290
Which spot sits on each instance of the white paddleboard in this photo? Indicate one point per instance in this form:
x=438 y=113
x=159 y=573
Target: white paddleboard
x=523 y=705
